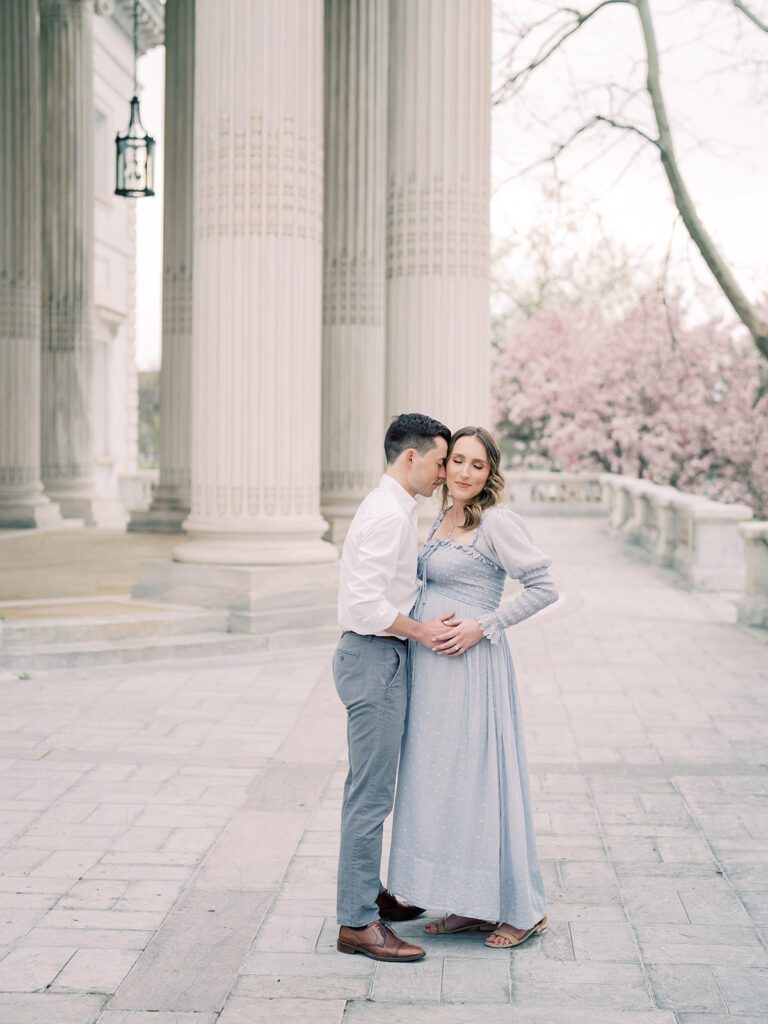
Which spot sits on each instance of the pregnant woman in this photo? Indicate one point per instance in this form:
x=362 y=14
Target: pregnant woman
x=463 y=835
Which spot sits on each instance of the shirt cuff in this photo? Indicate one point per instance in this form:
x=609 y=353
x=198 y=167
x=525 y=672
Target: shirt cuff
x=490 y=626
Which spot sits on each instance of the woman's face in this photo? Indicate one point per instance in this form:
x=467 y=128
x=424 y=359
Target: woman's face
x=467 y=469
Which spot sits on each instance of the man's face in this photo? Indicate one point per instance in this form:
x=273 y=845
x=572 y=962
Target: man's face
x=428 y=470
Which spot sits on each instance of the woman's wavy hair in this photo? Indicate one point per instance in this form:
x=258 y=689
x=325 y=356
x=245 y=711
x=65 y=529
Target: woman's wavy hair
x=493 y=491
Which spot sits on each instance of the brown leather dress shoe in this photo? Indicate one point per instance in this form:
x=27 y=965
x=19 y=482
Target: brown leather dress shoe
x=391 y=909
x=379 y=942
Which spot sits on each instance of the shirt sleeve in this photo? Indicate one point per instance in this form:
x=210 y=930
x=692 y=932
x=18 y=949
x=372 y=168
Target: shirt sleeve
x=507 y=542
x=378 y=549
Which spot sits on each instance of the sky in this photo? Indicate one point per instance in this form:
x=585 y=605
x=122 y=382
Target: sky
x=715 y=77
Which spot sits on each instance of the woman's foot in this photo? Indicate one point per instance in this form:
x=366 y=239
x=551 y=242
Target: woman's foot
x=506 y=935
x=452 y=923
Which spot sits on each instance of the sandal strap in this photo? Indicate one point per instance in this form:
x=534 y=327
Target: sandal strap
x=505 y=932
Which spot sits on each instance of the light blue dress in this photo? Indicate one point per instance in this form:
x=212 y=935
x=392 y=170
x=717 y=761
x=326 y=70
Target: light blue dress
x=463 y=837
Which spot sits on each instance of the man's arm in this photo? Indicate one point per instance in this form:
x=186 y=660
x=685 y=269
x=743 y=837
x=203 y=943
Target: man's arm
x=377 y=553
x=371 y=571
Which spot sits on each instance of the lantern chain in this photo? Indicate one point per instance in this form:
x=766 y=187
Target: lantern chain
x=135 y=47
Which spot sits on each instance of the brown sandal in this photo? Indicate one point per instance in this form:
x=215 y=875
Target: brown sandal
x=477 y=926
x=505 y=932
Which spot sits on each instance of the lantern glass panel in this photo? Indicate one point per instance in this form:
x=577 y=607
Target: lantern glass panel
x=135 y=168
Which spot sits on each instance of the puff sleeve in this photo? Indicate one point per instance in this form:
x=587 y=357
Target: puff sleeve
x=505 y=540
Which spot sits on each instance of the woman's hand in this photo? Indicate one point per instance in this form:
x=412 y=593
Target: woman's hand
x=460 y=635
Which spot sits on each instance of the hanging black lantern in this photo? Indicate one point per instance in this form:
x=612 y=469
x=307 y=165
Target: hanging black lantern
x=135 y=167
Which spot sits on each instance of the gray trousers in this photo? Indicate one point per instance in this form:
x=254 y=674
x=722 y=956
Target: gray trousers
x=371 y=680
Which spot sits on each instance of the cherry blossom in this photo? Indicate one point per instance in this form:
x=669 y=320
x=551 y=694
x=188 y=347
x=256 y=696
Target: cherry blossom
x=648 y=394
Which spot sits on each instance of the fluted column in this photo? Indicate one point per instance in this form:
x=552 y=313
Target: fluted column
x=438 y=331
x=170 y=500
x=257 y=306
x=66 y=72
x=356 y=33
x=22 y=502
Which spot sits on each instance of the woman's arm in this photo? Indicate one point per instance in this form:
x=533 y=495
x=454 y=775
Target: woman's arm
x=507 y=542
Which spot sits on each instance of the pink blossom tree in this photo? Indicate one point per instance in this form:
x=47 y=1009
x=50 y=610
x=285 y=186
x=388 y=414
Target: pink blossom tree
x=645 y=394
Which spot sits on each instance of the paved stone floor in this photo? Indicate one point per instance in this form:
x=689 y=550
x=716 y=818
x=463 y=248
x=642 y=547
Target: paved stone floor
x=170 y=832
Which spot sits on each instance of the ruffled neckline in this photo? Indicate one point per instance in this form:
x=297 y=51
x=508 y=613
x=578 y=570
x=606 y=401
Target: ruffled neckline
x=469 y=548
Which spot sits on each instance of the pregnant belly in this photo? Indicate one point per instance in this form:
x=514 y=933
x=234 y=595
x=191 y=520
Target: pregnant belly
x=438 y=601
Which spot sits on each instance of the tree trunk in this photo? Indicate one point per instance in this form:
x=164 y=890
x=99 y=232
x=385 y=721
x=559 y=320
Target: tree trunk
x=711 y=255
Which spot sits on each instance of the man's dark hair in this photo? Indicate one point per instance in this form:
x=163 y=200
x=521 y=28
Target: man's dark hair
x=412 y=430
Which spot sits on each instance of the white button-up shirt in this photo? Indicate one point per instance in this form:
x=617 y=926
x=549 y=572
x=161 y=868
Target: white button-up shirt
x=378 y=561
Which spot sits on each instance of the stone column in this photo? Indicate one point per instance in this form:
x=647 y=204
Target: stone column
x=257 y=305
x=66 y=71
x=356 y=33
x=438 y=330
x=22 y=502
x=170 y=501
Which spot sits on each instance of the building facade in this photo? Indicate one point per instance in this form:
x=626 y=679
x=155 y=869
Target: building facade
x=68 y=418
x=326 y=251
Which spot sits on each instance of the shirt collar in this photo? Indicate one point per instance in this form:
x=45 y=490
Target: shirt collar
x=408 y=502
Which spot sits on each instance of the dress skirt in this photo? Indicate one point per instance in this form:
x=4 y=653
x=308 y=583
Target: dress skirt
x=463 y=836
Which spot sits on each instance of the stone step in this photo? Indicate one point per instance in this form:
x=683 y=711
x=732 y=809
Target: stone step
x=80 y=652
x=31 y=623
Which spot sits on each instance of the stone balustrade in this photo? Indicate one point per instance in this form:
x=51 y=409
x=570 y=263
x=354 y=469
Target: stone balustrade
x=540 y=492
x=715 y=546
x=753 y=607
x=695 y=535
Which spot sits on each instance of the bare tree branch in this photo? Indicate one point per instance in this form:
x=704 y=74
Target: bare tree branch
x=701 y=238
x=563 y=146
x=579 y=18
x=664 y=143
x=754 y=18
x=629 y=128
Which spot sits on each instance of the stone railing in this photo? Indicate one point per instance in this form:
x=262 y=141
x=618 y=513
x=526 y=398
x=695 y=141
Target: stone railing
x=540 y=492
x=714 y=545
x=698 y=537
x=753 y=607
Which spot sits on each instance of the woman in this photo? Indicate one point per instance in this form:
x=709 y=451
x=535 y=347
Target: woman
x=463 y=828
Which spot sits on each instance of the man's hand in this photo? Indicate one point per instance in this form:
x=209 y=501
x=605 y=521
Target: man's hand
x=430 y=632
x=458 y=637
x=423 y=632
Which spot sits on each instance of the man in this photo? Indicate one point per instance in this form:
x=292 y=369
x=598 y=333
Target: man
x=377 y=589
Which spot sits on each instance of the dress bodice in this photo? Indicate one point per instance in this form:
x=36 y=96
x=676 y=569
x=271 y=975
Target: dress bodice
x=474 y=574
x=461 y=572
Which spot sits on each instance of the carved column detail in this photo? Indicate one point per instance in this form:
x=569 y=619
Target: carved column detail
x=438 y=330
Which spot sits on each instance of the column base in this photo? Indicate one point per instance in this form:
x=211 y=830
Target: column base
x=269 y=542
x=77 y=501
x=27 y=511
x=74 y=498
x=753 y=611
x=166 y=514
x=265 y=599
